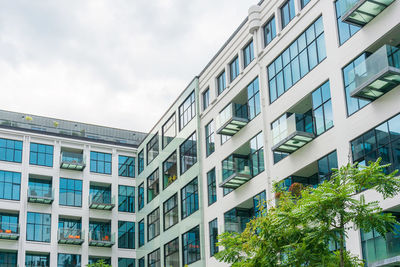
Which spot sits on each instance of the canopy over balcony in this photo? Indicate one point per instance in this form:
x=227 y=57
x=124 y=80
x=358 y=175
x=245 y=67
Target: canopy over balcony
x=101 y=201
x=9 y=231
x=236 y=171
x=72 y=161
x=231 y=119
x=101 y=239
x=45 y=196
x=293 y=132
x=70 y=236
x=378 y=74
x=361 y=12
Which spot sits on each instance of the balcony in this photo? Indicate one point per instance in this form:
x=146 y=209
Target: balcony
x=72 y=161
x=231 y=119
x=236 y=171
x=9 y=231
x=37 y=195
x=378 y=74
x=235 y=220
x=101 y=239
x=361 y=12
x=101 y=201
x=293 y=132
x=70 y=236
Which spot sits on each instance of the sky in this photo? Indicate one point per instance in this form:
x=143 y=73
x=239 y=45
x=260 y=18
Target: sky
x=117 y=63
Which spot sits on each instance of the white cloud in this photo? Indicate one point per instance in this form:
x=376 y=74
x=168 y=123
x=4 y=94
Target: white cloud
x=116 y=63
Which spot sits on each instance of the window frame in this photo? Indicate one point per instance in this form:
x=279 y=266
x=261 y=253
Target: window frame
x=184 y=111
x=46 y=154
x=126 y=199
x=210 y=138
x=128 y=233
x=155 y=176
x=14 y=147
x=166 y=127
x=196 y=241
x=173 y=209
x=250 y=48
x=206 y=98
x=187 y=198
x=155 y=222
x=234 y=68
x=130 y=166
x=97 y=162
x=221 y=82
x=68 y=192
x=42 y=226
x=152 y=148
x=213 y=186
x=183 y=154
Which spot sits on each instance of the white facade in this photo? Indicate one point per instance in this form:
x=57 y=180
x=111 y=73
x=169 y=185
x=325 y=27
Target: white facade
x=336 y=54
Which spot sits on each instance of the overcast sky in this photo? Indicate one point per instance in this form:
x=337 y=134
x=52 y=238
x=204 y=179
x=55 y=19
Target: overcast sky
x=118 y=63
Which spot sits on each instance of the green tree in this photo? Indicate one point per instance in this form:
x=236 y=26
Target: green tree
x=99 y=263
x=297 y=231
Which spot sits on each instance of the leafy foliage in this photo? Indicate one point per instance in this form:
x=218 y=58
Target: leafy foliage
x=297 y=231
x=99 y=263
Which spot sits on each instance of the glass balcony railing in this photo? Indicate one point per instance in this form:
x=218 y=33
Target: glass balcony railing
x=293 y=133
x=361 y=12
x=40 y=195
x=101 y=201
x=70 y=236
x=381 y=252
x=231 y=119
x=9 y=231
x=236 y=171
x=236 y=219
x=101 y=239
x=378 y=74
x=72 y=161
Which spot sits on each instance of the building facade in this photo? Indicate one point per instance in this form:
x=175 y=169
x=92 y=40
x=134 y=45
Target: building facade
x=301 y=87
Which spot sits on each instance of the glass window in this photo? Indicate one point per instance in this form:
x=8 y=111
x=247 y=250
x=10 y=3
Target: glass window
x=38 y=227
x=35 y=260
x=269 y=31
x=141 y=196
x=213 y=231
x=325 y=166
x=253 y=99
x=382 y=141
x=189 y=198
x=171 y=253
x=234 y=68
x=248 y=54
x=141 y=238
x=322 y=108
x=153 y=186
x=303 y=54
x=126 y=234
x=126 y=166
x=152 y=148
x=126 y=198
x=69 y=260
x=188 y=153
x=70 y=192
x=154 y=258
x=304 y=3
x=345 y=30
x=211 y=187
x=257 y=154
x=141 y=262
x=8 y=258
x=9 y=222
x=41 y=155
x=191 y=245
x=140 y=161
x=258 y=202
x=171 y=212
x=69 y=228
x=10 y=150
x=187 y=110
x=353 y=104
x=224 y=138
x=169 y=130
x=10 y=185
x=287 y=12
x=170 y=170
x=153 y=224
x=126 y=262
x=206 y=98
x=221 y=83
x=210 y=139
x=100 y=162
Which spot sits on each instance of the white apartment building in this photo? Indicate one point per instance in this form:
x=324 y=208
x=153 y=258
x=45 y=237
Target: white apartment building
x=302 y=86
